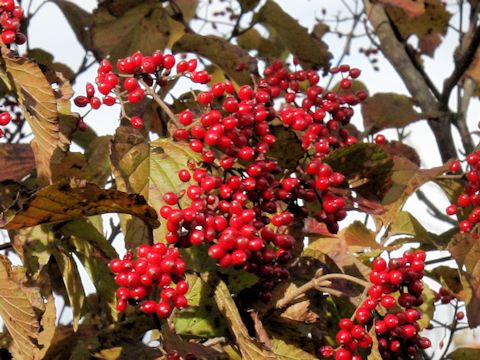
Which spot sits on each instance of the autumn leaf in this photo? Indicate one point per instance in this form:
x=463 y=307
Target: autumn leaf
x=412 y=8
x=387 y=110
x=65 y=201
x=18 y=314
x=79 y=20
x=17 y=161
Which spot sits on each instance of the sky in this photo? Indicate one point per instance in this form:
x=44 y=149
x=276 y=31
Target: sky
x=50 y=31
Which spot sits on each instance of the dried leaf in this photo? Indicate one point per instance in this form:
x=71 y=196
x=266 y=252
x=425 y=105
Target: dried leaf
x=298 y=311
x=18 y=314
x=286 y=351
x=429 y=43
x=232 y=59
x=48 y=326
x=464 y=353
x=387 y=110
x=17 y=161
x=66 y=201
x=312 y=52
x=79 y=20
x=450 y=279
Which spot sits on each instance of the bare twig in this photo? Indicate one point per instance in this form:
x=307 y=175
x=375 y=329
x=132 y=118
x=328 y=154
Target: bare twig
x=438 y=213
x=161 y=103
x=5 y=246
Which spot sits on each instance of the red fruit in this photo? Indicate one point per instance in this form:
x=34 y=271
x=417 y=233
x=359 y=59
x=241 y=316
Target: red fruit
x=136 y=95
x=136 y=122
x=452 y=209
x=121 y=305
x=5 y=118
x=460 y=315
x=343 y=337
x=8 y=36
x=380 y=139
x=95 y=103
x=81 y=101
x=465 y=226
x=455 y=166
x=343 y=354
x=354 y=73
x=168 y=61
x=379 y=264
x=346 y=84
x=362 y=315
x=388 y=301
x=345 y=324
x=163 y=309
x=205 y=97
x=130 y=84
x=327 y=351
x=184 y=175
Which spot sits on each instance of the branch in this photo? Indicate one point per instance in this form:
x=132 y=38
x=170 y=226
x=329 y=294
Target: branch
x=161 y=103
x=6 y=246
x=461 y=65
x=438 y=213
x=395 y=52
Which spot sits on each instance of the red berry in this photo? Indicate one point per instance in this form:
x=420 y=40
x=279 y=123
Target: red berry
x=136 y=122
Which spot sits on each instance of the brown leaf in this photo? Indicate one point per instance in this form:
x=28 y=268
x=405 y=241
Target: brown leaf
x=312 y=52
x=227 y=56
x=18 y=314
x=429 y=43
x=80 y=20
x=17 y=161
x=65 y=201
x=388 y=110
x=412 y=8
x=396 y=148
x=48 y=326
x=466 y=251
x=298 y=311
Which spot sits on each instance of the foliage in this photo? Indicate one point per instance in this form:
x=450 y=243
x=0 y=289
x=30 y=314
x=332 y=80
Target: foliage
x=233 y=216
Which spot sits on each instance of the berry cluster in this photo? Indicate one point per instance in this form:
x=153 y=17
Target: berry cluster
x=469 y=200
x=10 y=21
x=391 y=307
x=444 y=296
x=149 y=277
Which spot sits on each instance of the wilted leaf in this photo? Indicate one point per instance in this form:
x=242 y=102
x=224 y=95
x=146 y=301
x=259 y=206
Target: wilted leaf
x=286 y=351
x=396 y=148
x=252 y=40
x=464 y=353
x=18 y=314
x=248 y=5
x=72 y=281
x=79 y=20
x=45 y=58
x=98 y=160
x=297 y=311
x=232 y=59
x=387 y=110
x=312 y=52
x=358 y=237
x=17 y=161
x=450 y=279
x=143 y=27
x=66 y=201
x=48 y=326
x=367 y=167
x=250 y=349
x=412 y=8
x=427 y=308
x=201 y=318
x=150 y=170
x=466 y=251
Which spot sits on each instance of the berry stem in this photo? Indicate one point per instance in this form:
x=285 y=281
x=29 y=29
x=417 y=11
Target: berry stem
x=161 y=103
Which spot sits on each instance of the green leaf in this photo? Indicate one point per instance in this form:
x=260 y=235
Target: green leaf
x=313 y=53
x=201 y=318
x=141 y=28
x=150 y=170
x=464 y=353
x=79 y=20
x=388 y=110
x=286 y=351
x=367 y=168
x=222 y=53
x=72 y=281
x=249 y=348
x=65 y=201
x=17 y=161
x=17 y=313
x=466 y=251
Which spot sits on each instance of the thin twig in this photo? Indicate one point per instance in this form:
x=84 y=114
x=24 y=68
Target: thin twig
x=6 y=246
x=161 y=103
x=438 y=213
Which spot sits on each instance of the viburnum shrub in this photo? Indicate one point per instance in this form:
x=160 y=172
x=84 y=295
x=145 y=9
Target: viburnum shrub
x=238 y=168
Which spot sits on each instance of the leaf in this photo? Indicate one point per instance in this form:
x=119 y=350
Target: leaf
x=17 y=161
x=225 y=55
x=248 y=5
x=98 y=160
x=252 y=40
x=371 y=178
x=65 y=201
x=358 y=237
x=466 y=251
x=450 y=279
x=46 y=59
x=80 y=20
x=464 y=353
x=313 y=53
x=427 y=308
x=38 y=102
x=201 y=318
x=18 y=314
x=143 y=27
x=429 y=43
x=434 y=20
x=412 y=8
x=286 y=351
x=72 y=281
x=249 y=348
x=407 y=179
x=298 y=311
x=387 y=110
x=150 y=170
x=48 y=326
x=374 y=352
x=286 y=139
x=94 y=253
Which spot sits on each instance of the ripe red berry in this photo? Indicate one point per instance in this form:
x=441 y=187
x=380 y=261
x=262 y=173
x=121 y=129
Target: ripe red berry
x=136 y=122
